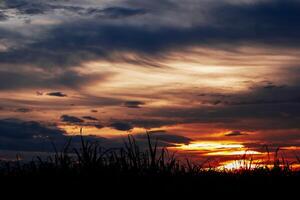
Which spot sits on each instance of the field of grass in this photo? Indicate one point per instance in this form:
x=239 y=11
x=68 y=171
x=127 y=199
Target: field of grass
x=92 y=168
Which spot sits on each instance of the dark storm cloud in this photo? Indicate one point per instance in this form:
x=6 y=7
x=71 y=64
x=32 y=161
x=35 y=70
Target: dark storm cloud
x=231 y=113
x=71 y=119
x=67 y=79
x=274 y=139
x=151 y=123
x=57 y=94
x=121 y=126
x=154 y=4
x=26 y=7
x=90 y=118
x=262 y=101
x=31 y=7
x=260 y=108
x=275 y=20
x=134 y=104
x=273 y=23
x=85 y=121
x=257 y=101
x=262 y=93
x=164 y=136
x=18 y=129
x=235 y=133
x=116 y=12
x=266 y=94
x=23 y=110
x=18 y=135
x=99 y=126
x=281 y=138
x=271 y=86
x=3 y=16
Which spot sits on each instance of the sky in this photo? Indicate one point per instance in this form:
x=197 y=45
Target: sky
x=209 y=78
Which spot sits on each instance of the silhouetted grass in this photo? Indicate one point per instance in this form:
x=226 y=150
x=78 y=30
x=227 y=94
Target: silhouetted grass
x=130 y=167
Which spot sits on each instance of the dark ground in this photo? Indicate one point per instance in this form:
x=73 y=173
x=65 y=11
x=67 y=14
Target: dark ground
x=130 y=185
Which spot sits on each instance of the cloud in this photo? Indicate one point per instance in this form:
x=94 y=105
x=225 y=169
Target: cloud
x=268 y=94
x=90 y=118
x=235 y=133
x=71 y=119
x=23 y=110
x=99 y=126
x=121 y=126
x=133 y=104
x=162 y=135
x=57 y=94
x=18 y=135
x=248 y=117
x=33 y=7
x=65 y=79
x=3 y=16
x=19 y=129
x=271 y=86
x=258 y=94
x=283 y=137
x=260 y=23
x=148 y=123
x=52 y=58
x=116 y=12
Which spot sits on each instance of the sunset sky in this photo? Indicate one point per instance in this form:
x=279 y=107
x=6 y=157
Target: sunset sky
x=209 y=78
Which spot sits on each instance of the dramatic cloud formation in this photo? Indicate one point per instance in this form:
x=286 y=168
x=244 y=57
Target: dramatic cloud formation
x=185 y=71
x=265 y=22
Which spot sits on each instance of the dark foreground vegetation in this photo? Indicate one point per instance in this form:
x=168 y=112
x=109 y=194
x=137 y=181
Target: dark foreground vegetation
x=128 y=171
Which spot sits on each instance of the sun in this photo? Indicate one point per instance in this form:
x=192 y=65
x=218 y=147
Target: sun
x=237 y=165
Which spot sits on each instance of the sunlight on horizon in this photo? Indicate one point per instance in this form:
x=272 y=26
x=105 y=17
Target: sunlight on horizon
x=209 y=146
